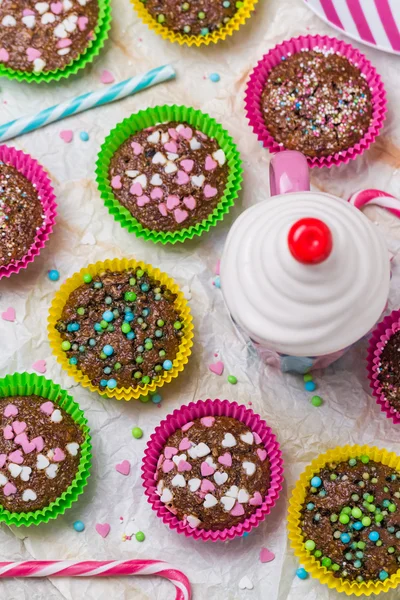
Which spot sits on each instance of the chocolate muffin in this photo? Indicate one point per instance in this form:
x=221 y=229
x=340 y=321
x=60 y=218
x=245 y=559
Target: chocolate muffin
x=351 y=519
x=169 y=176
x=197 y=17
x=389 y=371
x=21 y=215
x=45 y=36
x=121 y=329
x=316 y=102
x=213 y=473
x=39 y=452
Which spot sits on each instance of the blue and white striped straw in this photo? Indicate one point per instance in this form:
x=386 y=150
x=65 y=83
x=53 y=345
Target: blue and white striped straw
x=85 y=101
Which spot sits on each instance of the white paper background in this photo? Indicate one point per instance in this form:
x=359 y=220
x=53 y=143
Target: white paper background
x=349 y=414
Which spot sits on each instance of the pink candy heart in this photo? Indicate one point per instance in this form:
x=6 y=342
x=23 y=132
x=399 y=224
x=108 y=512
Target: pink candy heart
x=207 y=486
x=56 y=8
x=9 y=489
x=182 y=177
x=16 y=457
x=171 y=147
x=168 y=465
x=136 y=189
x=4 y=56
x=225 y=459
x=237 y=510
x=8 y=432
x=142 y=200
x=266 y=555
x=66 y=135
x=262 y=454
x=180 y=215
x=256 y=500
x=187 y=426
x=186 y=133
x=209 y=191
x=21 y=438
x=185 y=444
x=103 y=529
x=187 y=164
x=38 y=442
x=28 y=447
x=39 y=366
x=170 y=451
x=257 y=438
x=107 y=77
x=163 y=209
x=217 y=368
x=58 y=455
x=64 y=43
x=189 y=202
x=157 y=194
x=9 y=314
x=206 y=469
x=173 y=133
x=172 y=201
x=47 y=408
x=33 y=54
x=82 y=23
x=116 y=182
x=207 y=421
x=137 y=148
x=160 y=461
x=211 y=164
x=184 y=466
x=10 y=410
x=124 y=467
x=19 y=426
x=27 y=11
x=3 y=458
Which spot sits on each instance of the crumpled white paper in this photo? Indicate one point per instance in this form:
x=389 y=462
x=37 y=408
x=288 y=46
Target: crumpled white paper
x=349 y=414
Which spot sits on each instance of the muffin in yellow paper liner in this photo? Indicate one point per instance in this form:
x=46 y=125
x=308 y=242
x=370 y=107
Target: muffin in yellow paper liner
x=310 y=563
x=180 y=306
x=239 y=18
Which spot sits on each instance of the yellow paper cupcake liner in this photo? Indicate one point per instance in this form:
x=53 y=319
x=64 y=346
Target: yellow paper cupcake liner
x=181 y=306
x=310 y=563
x=239 y=18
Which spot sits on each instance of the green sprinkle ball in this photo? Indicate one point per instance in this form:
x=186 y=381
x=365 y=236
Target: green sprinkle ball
x=232 y=379
x=87 y=278
x=140 y=537
x=137 y=433
x=316 y=400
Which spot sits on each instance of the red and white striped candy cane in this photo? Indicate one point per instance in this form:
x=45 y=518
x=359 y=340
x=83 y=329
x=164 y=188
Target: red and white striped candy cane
x=377 y=197
x=99 y=568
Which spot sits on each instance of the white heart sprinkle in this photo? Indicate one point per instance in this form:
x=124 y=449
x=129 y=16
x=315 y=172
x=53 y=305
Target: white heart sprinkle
x=51 y=471
x=209 y=460
x=249 y=467
x=164 y=137
x=63 y=51
x=243 y=496
x=159 y=159
x=42 y=462
x=170 y=167
x=56 y=416
x=9 y=21
x=233 y=491
x=198 y=180
x=192 y=451
x=172 y=156
x=47 y=18
x=160 y=487
x=3 y=479
x=26 y=473
x=228 y=503
x=82 y=2
x=70 y=23
x=166 y=496
x=29 y=21
x=247 y=438
x=154 y=138
x=72 y=448
x=50 y=454
x=38 y=65
x=220 y=477
x=14 y=469
x=228 y=441
x=156 y=179
x=41 y=7
x=193 y=521
x=142 y=180
x=131 y=173
x=245 y=583
x=202 y=450
x=210 y=501
x=179 y=481
x=194 y=484
x=178 y=457
x=29 y=495
x=195 y=144
x=60 y=31
x=220 y=157
x=67 y=4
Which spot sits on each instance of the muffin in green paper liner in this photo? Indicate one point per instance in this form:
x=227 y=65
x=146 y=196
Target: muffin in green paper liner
x=45 y=449
x=169 y=173
x=51 y=16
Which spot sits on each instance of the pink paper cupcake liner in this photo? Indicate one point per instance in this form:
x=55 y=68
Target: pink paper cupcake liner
x=33 y=171
x=196 y=410
x=379 y=338
x=260 y=74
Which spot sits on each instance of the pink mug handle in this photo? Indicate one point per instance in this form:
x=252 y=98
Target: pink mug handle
x=288 y=172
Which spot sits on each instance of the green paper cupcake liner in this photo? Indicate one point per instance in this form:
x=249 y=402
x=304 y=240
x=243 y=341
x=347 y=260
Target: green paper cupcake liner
x=26 y=384
x=153 y=116
x=88 y=55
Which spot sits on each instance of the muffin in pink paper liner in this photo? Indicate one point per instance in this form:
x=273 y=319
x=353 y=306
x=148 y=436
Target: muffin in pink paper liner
x=244 y=508
x=378 y=363
x=29 y=180
x=329 y=46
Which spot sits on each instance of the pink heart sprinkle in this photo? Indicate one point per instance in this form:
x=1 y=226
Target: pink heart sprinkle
x=21 y=439
x=136 y=189
x=39 y=443
x=107 y=77
x=4 y=56
x=180 y=215
x=163 y=209
x=10 y=410
x=19 y=426
x=189 y=202
x=185 y=444
x=184 y=466
x=9 y=314
x=170 y=451
x=82 y=23
x=168 y=465
x=266 y=555
x=16 y=457
x=237 y=510
x=186 y=133
x=142 y=200
x=9 y=489
x=257 y=438
x=160 y=461
x=171 y=147
x=8 y=432
x=39 y=366
x=59 y=455
x=157 y=194
x=217 y=368
x=173 y=133
x=207 y=421
x=187 y=164
x=225 y=459
x=28 y=447
x=206 y=469
x=47 y=408
x=64 y=43
x=116 y=182
x=32 y=54
x=207 y=486
x=137 y=148
x=202 y=135
x=182 y=177
x=256 y=500
x=172 y=201
x=103 y=529
x=124 y=467
x=209 y=191
x=3 y=458
x=66 y=135
x=27 y=11
x=211 y=164
x=262 y=454
x=187 y=426
x=56 y=9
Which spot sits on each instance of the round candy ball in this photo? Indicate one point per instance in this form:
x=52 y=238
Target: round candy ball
x=137 y=433
x=316 y=482
x=140 y=536
x=167 y=365
x=316 y=400
x=108 y=350
x=215 y=77
x=374 y=536
x=84 y=136
x=309 y=386
x=79 y=526
x=301 y=573
x=53 y=275
x=345 y=538
x=309 y=545
x=232 y=379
